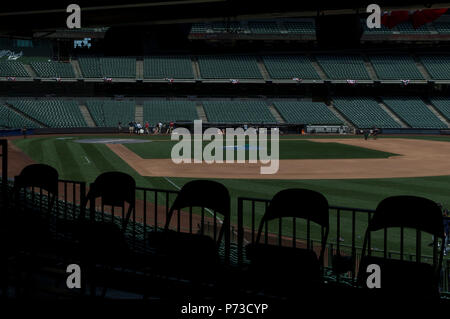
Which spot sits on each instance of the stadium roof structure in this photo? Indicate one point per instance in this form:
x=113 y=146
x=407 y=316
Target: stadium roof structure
x=16 y=18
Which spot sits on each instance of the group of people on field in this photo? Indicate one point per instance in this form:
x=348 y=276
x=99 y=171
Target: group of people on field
x=158 y=128
x=372 y=132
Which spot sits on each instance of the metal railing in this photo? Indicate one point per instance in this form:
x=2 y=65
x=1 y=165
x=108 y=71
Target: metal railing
x=347 y=227
x=347 y=231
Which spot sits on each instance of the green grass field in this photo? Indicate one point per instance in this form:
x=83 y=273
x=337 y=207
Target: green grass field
x=289 y=149
x=84 y=162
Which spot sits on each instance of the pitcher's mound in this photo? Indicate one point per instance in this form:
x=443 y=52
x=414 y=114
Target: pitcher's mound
x=112 y=141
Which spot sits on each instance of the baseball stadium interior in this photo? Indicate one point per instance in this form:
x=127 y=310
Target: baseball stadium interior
x=313 y=71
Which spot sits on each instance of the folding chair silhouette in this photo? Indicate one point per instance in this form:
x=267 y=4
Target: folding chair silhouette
x=114 y=189
x=31 y=217
x=399 y=277
x=103 y=243
x=286 y=270
x=26 y=228
x=194 y=256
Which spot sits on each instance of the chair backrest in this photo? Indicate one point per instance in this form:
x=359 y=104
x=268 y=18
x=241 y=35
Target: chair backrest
x=40 y=176
x=114 y=189
x=209 y=195
x=299 y=203
x=410 y=212
x=402 y=212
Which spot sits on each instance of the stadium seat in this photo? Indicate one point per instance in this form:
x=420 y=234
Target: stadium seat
x=364 y=112
x=238 y=112
x=288 y=271
x=11 y=119
x=166 y=111
x=438 y=66
x=400 y=278
x=443 y=105
x=395 y=67
x=343 y=67
x=162 y=67
x=108 y=113
x=53 y=69
x=414 y=112
x=289 y=67
x=229 y=67
x=195 y=256
x=306 y=112
x=53 y=113
x=111 y=67
x=12 y=68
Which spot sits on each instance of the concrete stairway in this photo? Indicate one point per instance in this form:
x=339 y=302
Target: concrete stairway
x=318 y=68
x=139 y=114
x=421 y=68
x=262 y=69
x=30 y=70
x=87 y=115
x=392 y=114
x=437 y=113
x=370 y=69
x=12 y=108
x=76 y=69
x=139 y=69
x=340 y=116
x=276 y=114
x=201 y=112
x=196 y=68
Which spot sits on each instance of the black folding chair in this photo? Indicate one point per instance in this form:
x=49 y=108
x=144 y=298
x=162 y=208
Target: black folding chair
x=189 y=255
x=35 y=192
x=28 y=227
x=102 y=244
x=283 y=270
x=399 y=277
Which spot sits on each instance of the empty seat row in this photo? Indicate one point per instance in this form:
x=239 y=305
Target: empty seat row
x=108 y=113
x=306 y=112
x=364 y=112
x=414 y=111
x=11 y=119
x=163 y=111
x=53 y=69
x=238 y=111
x=53 y=113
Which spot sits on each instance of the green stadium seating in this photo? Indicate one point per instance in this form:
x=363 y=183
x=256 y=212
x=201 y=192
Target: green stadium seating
x=221 y=27
x=443 y=105
x=117 y=67
x=11 y=119
x=364 y=112
x=306 y=112
x=438 y=66
x=414 y=112
x=290 y=66
x=442 y=27
x=229 y=67
x=53 y=113
x=12 y=68
x=300 y=27
x=395 y=67
x=161 y=67
x=267 y=27
x=108 y=113
x=167 y=111
x=408 y=28
x=198 y=28
x=53 y=69
x=238 y=111
x=343 y=67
